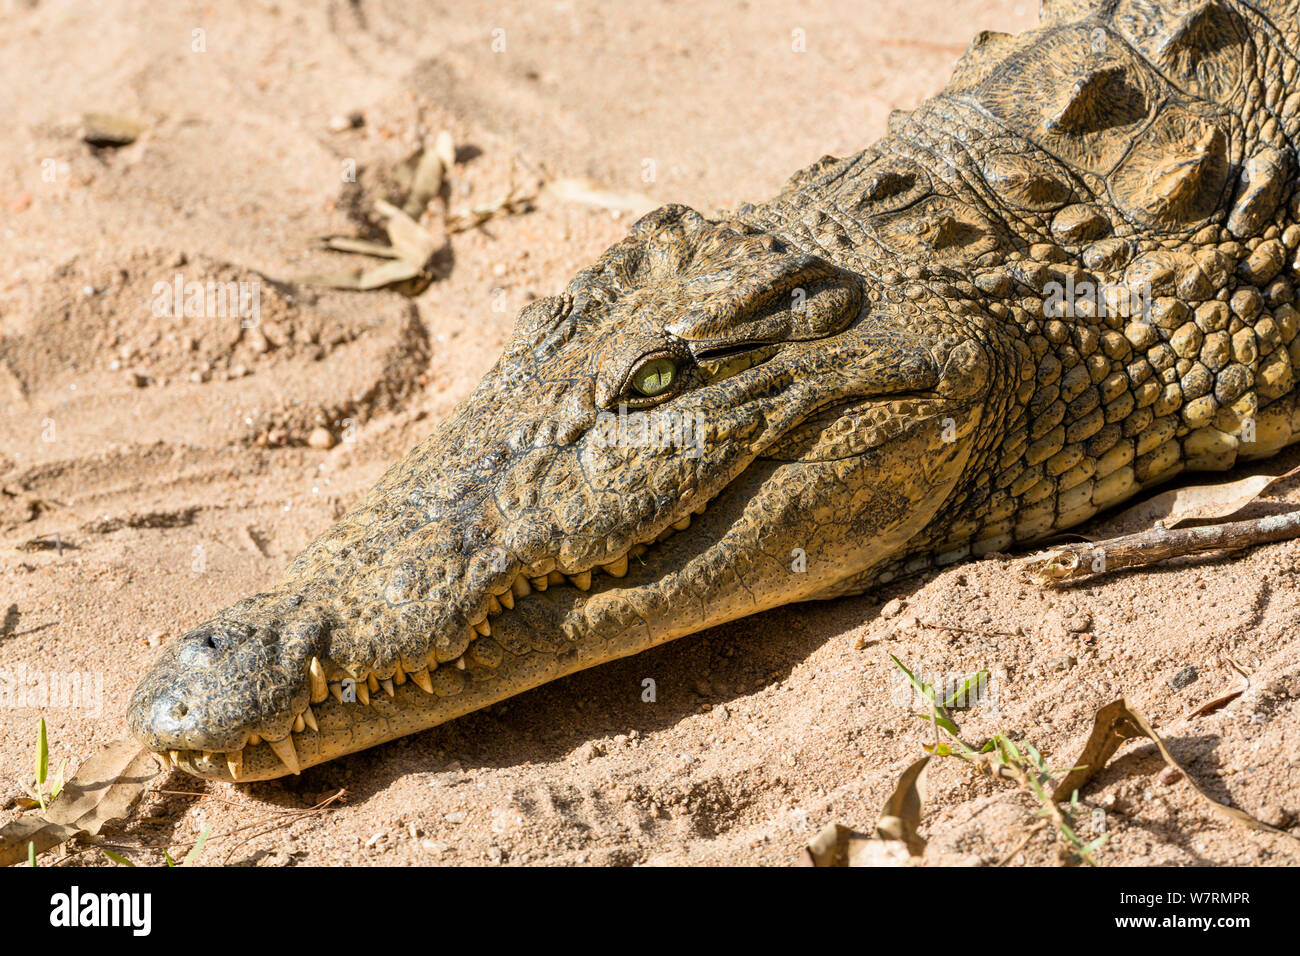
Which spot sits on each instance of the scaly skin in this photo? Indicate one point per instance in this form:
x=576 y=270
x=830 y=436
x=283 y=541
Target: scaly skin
x=882 y=378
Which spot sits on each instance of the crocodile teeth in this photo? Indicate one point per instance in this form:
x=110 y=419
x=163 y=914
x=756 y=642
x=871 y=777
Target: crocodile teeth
x=617 y=568
x=235 y=763
x=254 y=739
x=387 y=685
x=483 y=628
x=460 y=663
x=174 y=758
x=581 y=581
x=507 y=599
x=299 y=725
x=683 y=524
x=309 y=718
x=555 y=577
x=494 y=606
x=319 y=686
x=285 y=750
x=363 y=692
x=421 y=678
x=337 y=690
x=541 y=584
x=521 y=587
x=639 y=549
x=399 y=676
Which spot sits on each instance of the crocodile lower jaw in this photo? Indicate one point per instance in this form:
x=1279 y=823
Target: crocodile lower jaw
x=348 y=713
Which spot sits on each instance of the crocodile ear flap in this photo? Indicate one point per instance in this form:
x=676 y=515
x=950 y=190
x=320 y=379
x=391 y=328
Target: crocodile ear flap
x=894 y=360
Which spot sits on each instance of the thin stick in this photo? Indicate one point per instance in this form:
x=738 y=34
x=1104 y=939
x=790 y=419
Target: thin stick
x=1075 y=561
x=1021 y=845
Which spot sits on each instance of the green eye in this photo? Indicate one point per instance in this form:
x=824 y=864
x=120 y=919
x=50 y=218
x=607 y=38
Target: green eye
x=654 y=377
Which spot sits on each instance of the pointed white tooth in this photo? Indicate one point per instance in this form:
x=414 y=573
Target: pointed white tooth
x=363 y=692
x=683 y=524
x=372 y=681
x=460 y=663
x=387 y=685
x=540 y=584
x=507 y=599
x=254 y=739
x=581 y=581
x=319 y=686
x=421 y=678
x=174 y=757
x=285 y=750
x=521 y=587
x=309 y=718
x=299 y=725
x=483 y=628
x=336 y=689
x=494 y=606
x=399 y=676
x=235 y=764
x=617 y=568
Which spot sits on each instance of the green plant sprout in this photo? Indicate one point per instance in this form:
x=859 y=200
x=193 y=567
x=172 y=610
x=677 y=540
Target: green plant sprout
x=1000 y=757
x=43 y=790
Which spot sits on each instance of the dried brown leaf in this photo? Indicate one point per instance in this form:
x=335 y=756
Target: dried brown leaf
x=1180 y=506
x=103 y=789
x=586 y=194
x=1112 y=726
x=895 y=838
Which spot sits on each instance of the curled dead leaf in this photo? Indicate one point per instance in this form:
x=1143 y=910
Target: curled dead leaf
x=1112 y=726
x=895 y=838
x=103 y=789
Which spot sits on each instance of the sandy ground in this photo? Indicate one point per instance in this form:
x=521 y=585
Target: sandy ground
x=156 y=468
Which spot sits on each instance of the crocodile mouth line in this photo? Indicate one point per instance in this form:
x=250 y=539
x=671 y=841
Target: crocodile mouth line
x=334 y=689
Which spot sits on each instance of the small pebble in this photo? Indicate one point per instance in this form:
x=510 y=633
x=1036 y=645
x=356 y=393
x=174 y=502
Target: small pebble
x=1078 y=623
x=892 y=608
x=321 y=437
x=1276 y=815
x=1183 y=678
x=1169 y=775
x=341 y=123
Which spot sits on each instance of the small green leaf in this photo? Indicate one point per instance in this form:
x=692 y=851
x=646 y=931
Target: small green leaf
x=42 y=754
x=922 y=688
x=194 y=851
x=963 y=693
x=942 y=721
x=31 y=854
x=121 y=860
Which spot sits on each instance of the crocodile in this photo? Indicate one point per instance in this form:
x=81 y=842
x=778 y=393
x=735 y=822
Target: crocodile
x=1065 y=279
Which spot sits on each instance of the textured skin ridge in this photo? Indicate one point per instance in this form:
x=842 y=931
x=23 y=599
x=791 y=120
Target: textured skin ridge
x=1066 y=279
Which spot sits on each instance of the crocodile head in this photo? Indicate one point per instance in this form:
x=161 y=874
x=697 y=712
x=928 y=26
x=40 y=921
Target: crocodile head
x=707 y=423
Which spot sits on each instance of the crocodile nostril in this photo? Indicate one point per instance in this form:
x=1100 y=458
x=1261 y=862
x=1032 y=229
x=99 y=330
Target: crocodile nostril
x=181 y=709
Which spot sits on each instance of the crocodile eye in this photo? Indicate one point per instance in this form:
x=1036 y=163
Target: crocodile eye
x=654 y=377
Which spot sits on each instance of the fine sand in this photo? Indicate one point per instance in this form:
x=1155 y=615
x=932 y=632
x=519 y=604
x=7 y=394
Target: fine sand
x=154 y=468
